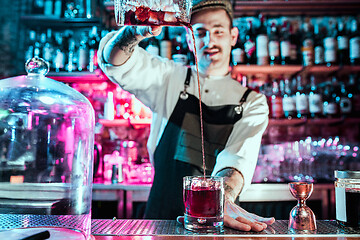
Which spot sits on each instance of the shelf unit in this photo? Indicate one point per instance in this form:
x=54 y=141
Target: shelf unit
x=284 y=7
x=289 y=70
x=78 y=77
x=299 y=7
x=272 y=122
x=42 y=21
x=135 y=123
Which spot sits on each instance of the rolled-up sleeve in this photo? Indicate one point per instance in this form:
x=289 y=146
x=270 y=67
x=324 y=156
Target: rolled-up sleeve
x=242 y=148
x=146 y=76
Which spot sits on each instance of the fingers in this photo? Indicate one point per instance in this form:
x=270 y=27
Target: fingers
x=233 y=223
x=268 y=221
x=243 y=224
x=155 y=30
x=148 y=31
x=243 y=220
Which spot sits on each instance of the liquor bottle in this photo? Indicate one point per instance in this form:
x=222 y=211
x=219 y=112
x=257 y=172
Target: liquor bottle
x=83 y=55
x=274 y=45
x=330 y=46
x=315 y=100
x=318 y=45
x=179 y=50
x=262 y=41
x=58 y=8
x=237 y=54
x=37 y=47
x=345 y=100
x=295 y=53
x=301 y=100
x=109 y=109
x=48 y=7
x=29 y=52
x=153 y=46
x=331 y=99
x=343 y=44
x=285 y=44
x=165 y=44
x=38 y=7
x=288 y=101
x=48 y=49
x=93 y=44
x=307 y=48
x=354 y=43
x=42 y=42
x=354 y=86
x=59 y=58
x=249 y=44
x=276 y=101
x=71 y=66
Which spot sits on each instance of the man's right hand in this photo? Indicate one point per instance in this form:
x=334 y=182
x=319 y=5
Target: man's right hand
x=118 y=49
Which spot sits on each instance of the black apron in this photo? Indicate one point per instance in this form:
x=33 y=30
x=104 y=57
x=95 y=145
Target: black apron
x=179 y=153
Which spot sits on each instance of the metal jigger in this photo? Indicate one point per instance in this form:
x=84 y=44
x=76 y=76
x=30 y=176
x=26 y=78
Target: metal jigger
x=301 y=216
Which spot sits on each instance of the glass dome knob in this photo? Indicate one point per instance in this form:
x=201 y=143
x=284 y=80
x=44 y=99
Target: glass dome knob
x=37 y=65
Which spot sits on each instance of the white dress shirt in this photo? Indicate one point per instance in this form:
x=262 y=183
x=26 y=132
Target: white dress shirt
x=157 y=83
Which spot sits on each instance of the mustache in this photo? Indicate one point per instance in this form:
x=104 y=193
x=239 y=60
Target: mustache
x=214 y=48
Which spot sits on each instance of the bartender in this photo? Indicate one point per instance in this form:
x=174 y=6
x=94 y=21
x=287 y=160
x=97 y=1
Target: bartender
x=234 y=117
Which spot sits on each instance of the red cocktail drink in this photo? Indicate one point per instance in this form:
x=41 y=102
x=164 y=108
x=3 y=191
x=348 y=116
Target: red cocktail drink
x=146 y=16
x=155 y=12
x=204 y=203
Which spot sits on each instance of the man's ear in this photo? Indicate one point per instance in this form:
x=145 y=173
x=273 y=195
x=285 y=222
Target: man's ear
x=234 y=35
x=189 y=40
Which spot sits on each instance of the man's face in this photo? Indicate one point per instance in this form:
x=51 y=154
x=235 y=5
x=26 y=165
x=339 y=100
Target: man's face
x=214 y=38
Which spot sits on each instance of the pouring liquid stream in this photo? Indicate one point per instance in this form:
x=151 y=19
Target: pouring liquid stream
x=188 y=25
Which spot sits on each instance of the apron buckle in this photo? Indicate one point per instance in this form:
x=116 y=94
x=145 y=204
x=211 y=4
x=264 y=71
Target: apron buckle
x=238 y=109
x=184 y=95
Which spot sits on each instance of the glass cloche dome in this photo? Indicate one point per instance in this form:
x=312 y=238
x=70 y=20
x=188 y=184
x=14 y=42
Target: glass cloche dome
x=46 y=152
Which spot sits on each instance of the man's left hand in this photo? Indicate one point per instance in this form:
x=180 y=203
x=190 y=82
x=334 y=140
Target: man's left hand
x=238 y=218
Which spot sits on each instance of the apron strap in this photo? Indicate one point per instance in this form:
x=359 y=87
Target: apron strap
x=184 y=95
x=244 y=97
x=239 y=109
x=188 y=77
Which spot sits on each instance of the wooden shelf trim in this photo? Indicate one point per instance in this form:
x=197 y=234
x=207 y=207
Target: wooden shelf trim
x=319 y=121
x=278 y=7
x=272 y=122
x=309 y=7
x=292 y=69
x=56 y=22
x=137 y=123
x=77 y=77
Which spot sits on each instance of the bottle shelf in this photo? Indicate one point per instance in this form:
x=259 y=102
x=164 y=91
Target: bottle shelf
x=272 y=122
x=53 y=22
x=281 y=7
x=318 y=121
x=98 y=75
x=300 y=7
x=268 y=70
x=84 y=77
x=136 y=123
x=289 y=70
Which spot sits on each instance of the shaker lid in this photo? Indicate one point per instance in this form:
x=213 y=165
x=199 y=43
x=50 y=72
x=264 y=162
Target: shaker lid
x=347 y=174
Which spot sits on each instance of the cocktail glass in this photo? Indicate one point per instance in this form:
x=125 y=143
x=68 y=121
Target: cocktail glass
x=204 y=203
x=154 y=12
